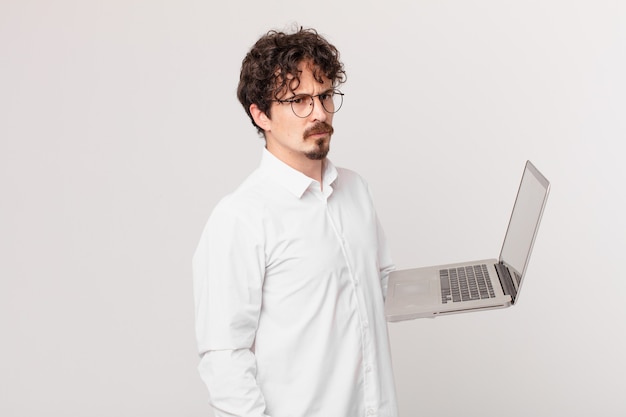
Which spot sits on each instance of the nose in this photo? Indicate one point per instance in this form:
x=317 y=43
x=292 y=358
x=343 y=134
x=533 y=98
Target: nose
x=318 y=112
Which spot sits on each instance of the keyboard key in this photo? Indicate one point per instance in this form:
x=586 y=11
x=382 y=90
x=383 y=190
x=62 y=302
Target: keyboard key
x=465 y=283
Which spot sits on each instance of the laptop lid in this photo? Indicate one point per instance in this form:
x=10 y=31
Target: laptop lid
x=524 y=224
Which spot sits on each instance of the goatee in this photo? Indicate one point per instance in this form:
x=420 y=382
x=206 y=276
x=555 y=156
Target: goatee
x=323 y=144
x=320 y=152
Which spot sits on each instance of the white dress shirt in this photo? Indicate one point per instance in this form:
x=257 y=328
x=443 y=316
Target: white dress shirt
x=289 y=279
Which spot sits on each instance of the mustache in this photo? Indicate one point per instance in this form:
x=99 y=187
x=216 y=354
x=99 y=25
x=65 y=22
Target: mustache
x=321 y=127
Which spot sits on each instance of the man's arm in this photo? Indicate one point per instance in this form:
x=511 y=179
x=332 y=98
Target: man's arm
x=228 y=271
x=230 y=378
x=385 y=262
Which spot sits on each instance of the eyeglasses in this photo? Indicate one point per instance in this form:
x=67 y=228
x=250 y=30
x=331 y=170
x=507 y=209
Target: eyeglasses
x=302 y=104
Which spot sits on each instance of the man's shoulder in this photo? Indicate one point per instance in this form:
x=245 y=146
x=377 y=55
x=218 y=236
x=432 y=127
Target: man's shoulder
x=245 y=195
x=349 y=177
x=349 y=173
x=248 y=197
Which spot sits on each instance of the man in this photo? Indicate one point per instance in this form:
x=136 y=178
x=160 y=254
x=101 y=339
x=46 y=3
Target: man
x=291 y=269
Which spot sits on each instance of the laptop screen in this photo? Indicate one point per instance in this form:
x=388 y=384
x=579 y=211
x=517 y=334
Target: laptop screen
x=525 y=218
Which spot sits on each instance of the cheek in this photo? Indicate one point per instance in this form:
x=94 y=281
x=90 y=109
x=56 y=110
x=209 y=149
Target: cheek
x=296 y=128
x=291 y=131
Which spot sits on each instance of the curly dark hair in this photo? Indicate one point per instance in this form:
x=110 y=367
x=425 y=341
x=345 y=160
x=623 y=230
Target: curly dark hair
x=274 y=57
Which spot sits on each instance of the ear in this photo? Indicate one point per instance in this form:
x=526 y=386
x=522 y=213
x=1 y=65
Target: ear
x=260 y=118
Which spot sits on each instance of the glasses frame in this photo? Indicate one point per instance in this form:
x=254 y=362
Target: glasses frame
x=293 y=99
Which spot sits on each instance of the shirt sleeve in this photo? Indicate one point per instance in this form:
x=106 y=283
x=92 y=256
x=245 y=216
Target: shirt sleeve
x=228 y=270
x=385 y=261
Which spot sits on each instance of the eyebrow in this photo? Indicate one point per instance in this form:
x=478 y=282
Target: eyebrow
x=312 y=95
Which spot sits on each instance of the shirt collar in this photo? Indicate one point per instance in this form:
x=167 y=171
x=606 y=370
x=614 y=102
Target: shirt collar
x=293 y=180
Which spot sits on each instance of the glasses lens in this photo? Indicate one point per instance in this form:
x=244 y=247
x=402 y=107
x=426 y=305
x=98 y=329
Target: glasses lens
x=333 y=102
x=302 y=105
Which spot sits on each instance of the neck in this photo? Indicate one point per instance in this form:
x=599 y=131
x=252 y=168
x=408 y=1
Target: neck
x=313 y=170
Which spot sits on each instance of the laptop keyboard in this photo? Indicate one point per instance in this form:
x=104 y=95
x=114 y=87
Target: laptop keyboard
x=465 y=284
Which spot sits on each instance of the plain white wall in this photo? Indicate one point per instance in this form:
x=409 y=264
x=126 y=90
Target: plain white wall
x=120 y=130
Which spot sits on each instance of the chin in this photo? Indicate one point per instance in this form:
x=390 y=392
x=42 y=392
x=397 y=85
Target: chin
x=317 y=156
x=320 y=152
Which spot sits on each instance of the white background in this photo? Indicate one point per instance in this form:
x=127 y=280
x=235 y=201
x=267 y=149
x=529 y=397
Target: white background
x=120 y=130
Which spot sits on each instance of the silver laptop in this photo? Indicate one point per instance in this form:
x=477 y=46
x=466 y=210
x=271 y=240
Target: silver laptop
x=476 y=285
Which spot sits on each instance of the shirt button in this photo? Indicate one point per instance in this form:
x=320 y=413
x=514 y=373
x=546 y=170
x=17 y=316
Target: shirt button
x=368 y=369
x=370 y=411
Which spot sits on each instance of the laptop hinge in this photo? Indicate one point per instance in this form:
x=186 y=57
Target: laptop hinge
x=506 y=280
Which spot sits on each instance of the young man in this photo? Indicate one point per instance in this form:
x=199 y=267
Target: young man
x=291 y=269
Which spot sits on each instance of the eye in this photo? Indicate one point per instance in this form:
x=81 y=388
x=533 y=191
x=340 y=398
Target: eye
x=326 y=96
x=300 y=99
